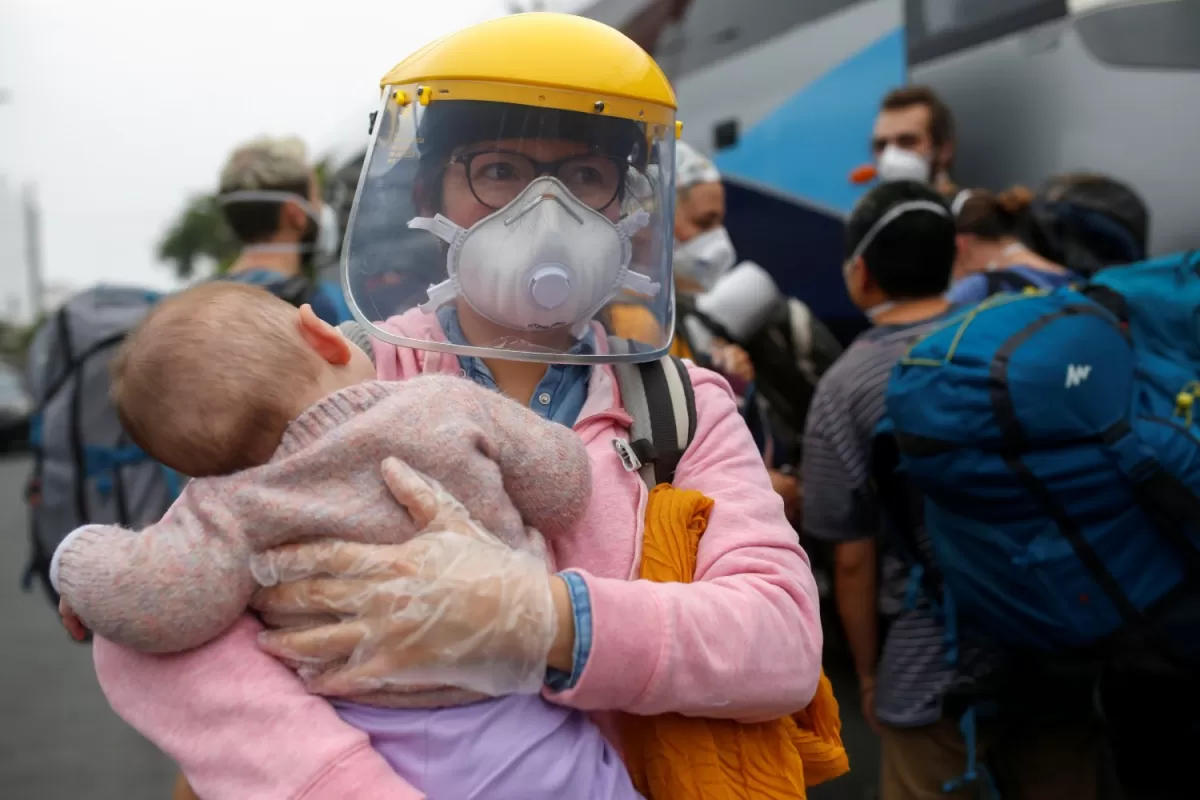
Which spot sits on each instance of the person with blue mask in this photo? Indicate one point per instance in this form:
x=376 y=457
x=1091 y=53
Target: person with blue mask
x=270 y=199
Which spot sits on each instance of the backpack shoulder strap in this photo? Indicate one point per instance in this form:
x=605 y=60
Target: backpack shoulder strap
x=658 y=395
x=1005 y=280
x=296 y=290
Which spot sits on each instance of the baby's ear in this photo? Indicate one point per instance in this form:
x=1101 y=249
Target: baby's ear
x=323 y=338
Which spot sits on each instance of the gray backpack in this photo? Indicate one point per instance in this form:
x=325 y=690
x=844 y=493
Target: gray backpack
x=86 y=470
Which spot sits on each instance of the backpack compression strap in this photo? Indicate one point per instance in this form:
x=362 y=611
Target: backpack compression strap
x=658 y=395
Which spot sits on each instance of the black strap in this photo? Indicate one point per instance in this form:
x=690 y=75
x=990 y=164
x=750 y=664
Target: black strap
x=665 y=406
x=296 y=290
x=74 y=423
x=902 y=507
x=1006 y=280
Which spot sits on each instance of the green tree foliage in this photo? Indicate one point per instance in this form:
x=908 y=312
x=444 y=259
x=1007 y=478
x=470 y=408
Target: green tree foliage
x=199 y=235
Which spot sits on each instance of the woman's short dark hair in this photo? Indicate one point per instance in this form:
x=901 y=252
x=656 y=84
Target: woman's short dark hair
x=913 y=255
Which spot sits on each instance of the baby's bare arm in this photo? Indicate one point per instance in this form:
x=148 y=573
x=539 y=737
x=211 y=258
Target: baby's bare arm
x=171 y=587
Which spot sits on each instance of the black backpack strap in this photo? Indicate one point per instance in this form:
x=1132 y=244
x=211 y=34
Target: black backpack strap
x=659 y=397
x=296 y=290
x=1006 y=280
x=901 y=505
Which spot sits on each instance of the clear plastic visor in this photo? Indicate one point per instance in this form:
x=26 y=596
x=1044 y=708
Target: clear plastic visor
x=501 y=229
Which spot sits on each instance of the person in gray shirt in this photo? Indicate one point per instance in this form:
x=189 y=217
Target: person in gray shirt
x=901 y=248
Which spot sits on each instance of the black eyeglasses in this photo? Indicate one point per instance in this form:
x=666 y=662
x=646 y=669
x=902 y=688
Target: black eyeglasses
x=496 y=177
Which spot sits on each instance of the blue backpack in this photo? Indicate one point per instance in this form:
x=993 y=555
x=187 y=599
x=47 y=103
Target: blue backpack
x=1055 y=442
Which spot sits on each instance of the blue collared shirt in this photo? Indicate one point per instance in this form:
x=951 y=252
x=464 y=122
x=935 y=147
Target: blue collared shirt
x=559 y=397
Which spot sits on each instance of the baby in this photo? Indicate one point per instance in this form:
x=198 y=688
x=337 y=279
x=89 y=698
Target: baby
x=280 y=419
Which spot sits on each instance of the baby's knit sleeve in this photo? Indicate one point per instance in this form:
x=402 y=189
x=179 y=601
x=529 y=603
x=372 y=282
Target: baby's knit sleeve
x=171 y=587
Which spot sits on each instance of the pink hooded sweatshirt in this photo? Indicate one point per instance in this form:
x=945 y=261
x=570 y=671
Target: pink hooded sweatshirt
x=742 y=642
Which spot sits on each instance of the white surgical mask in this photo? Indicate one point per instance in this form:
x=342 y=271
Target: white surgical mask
x=543 y=261
x=705 y=257
x=897 y=164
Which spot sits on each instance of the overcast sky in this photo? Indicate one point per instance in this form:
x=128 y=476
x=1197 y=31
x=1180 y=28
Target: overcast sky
x=120 y=109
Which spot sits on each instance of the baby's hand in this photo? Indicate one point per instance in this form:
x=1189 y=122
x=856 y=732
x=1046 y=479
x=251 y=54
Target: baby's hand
x=71 y=622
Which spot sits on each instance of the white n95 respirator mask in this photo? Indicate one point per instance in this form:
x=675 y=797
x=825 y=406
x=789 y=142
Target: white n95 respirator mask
x=898 y=164
x=706 y=257
x=543 y=261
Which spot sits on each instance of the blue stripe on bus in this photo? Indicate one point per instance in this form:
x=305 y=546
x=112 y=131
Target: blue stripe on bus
x=808 y=146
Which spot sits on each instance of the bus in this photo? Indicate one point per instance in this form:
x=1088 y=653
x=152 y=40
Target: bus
x=783 y=95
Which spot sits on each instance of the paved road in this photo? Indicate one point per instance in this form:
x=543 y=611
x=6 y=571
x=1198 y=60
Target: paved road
x=60 y=741
x=58 y=738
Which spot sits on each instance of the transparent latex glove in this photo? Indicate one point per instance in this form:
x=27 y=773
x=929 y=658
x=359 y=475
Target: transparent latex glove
x=451 y=607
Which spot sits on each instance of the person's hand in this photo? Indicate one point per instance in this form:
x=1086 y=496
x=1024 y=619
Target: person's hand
x=452 y=607
x=733 y=361
x=866 y=693
x=71 y=622
x=787 y=486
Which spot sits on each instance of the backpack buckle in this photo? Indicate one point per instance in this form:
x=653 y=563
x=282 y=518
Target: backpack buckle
x=629 y=458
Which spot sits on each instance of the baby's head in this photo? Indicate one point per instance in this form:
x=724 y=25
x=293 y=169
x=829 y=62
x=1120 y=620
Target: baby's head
x=212 y=377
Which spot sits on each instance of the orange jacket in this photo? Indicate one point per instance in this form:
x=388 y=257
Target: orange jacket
x=673 y=757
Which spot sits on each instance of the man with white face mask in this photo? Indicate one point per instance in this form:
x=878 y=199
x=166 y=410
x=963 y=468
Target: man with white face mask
x=913 y=139
x=271 y=201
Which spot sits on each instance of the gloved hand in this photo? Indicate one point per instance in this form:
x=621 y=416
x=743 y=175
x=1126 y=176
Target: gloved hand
x=452 y=607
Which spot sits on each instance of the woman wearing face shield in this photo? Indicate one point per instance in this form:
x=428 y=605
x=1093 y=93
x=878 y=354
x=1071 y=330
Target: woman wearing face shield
x=520 y=135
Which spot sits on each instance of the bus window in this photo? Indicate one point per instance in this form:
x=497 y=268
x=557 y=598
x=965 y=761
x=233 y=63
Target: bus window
x=1155 y=35
x=939 y=27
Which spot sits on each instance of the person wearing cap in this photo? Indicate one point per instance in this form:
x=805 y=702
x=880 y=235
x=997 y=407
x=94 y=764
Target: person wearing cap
x=271 y=201
x=530 y=149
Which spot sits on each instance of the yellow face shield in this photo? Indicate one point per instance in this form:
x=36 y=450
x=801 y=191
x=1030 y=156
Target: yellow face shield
x=503 y=218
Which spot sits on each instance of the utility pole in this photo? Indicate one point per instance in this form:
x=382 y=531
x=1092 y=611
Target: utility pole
x=33 y=251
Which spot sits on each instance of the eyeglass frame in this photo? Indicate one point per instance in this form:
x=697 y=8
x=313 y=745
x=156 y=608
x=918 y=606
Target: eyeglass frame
x=541 y=168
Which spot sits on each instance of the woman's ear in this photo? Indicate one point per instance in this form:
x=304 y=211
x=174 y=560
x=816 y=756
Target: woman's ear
x=322 y=337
